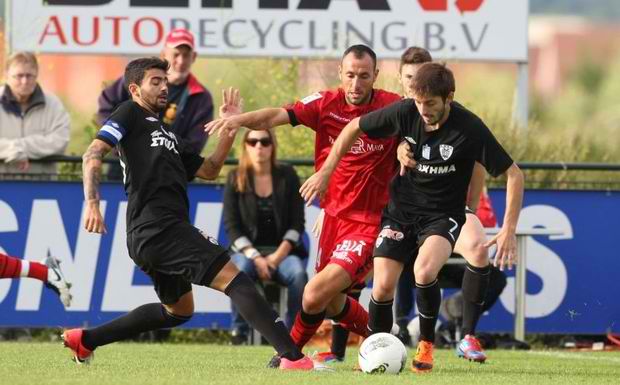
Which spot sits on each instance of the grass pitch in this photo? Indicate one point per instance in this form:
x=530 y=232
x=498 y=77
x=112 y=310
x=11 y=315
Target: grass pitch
x=153 y=364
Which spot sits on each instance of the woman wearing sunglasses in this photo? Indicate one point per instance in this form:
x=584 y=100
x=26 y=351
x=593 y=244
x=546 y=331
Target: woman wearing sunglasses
x=264 y=220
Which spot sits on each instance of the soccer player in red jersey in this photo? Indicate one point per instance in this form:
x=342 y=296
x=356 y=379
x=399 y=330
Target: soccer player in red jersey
x=357 y=193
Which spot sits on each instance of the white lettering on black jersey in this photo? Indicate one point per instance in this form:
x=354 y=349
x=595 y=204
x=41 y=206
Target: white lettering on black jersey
x=445 y=158
x=155 y=167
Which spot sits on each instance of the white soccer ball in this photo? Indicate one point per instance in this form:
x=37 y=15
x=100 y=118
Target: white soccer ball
x=382 y=353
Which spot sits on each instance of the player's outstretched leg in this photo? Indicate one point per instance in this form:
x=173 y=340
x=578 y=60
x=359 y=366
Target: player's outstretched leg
x=260 y=315
x=48 y=271
x=152 y=316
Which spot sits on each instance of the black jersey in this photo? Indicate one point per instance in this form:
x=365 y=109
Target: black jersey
x=155 y=167
x=445 y=158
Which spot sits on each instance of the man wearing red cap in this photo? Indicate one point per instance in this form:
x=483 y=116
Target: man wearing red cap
x=190 y=105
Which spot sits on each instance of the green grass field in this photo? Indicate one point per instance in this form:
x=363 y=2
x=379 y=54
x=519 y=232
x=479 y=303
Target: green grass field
x=154 y=364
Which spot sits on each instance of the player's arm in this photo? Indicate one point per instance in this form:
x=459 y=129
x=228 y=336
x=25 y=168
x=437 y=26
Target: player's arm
x=231 y=108
x=476 y=185
x=405 y=157
x=92 y=161
x=212 y=164
x=506 y=239
x=316 y=185
x=262 y=119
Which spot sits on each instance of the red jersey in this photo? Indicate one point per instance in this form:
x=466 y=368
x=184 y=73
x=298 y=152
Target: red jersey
x=485 y=211
x=358 y=188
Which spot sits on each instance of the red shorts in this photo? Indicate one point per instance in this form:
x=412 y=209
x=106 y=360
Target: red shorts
x=348 y=244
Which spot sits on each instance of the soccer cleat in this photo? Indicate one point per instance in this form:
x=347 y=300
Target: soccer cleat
x=274 y=362
x=73 y=340
x=56 y=281
x=327 y=357
x=304 y=363
x=470 y=349
x=423 y=359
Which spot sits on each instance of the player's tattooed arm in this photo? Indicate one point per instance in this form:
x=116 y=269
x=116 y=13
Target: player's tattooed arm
x=212 y=165
x=92 y=162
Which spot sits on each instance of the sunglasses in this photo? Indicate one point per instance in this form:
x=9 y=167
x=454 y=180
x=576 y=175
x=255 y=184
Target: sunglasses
x=265 y=142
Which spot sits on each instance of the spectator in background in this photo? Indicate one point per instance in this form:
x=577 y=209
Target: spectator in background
x=190 y=105
x=33 y=123
x=264 y=220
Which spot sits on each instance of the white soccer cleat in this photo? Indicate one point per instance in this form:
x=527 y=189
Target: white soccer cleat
x=56 y=281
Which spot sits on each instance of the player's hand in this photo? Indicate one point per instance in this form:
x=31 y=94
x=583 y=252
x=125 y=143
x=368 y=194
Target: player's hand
x=313 y=187
x=223 y=126
x=93 y=221
x=405 y=157
x=318 y=224
x=232 y=103
x=506 y=254
x=262 y=268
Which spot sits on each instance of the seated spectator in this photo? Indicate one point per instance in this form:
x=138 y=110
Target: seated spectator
x=190 y=105
x=264 y=221
x=33 y=123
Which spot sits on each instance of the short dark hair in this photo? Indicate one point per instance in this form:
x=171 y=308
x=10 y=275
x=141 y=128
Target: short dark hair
x=433 y=79
x=135 y=70
x=359 y=50
x=414 y=55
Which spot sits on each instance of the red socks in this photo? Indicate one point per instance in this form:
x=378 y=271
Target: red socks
x=305 y=327
x=11 y=267
x=354 y=318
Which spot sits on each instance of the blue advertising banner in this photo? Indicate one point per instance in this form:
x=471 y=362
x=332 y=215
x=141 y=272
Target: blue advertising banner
x=571 y=279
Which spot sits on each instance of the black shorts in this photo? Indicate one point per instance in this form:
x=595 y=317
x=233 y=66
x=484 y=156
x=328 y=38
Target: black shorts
x=175 y=256
x=401 y=241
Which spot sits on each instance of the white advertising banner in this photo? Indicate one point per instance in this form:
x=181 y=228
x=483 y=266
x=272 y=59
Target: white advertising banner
x=451 y=29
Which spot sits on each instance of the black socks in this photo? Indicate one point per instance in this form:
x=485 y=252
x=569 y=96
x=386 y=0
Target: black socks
x=475 y=285
x=259 y=314
x=147 y=317
x=428 y=299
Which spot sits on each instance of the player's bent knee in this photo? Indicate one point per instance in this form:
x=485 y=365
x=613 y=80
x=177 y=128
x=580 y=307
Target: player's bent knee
x=477 y=255
x=383 y=291
x=175 y=319
x=425 y=276
x=184 y=307
x=314 y=302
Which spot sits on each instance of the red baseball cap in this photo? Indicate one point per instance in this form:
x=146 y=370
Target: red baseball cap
x=180 y=36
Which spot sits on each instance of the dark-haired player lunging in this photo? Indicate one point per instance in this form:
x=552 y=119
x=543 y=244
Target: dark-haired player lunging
x=160 y=238
x=427 y=204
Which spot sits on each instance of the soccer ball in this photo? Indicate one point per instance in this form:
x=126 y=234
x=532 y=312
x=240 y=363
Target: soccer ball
x=382 y=353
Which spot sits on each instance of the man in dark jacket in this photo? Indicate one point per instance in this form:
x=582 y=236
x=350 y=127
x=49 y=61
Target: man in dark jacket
x=190 y=105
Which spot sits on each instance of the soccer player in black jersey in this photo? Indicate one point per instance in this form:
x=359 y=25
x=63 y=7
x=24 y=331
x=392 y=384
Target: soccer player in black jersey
x=160 y=237
x=479 y=275
x=427 y=204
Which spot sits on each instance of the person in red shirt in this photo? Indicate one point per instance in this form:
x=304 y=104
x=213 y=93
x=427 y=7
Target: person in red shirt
x=356 y=195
